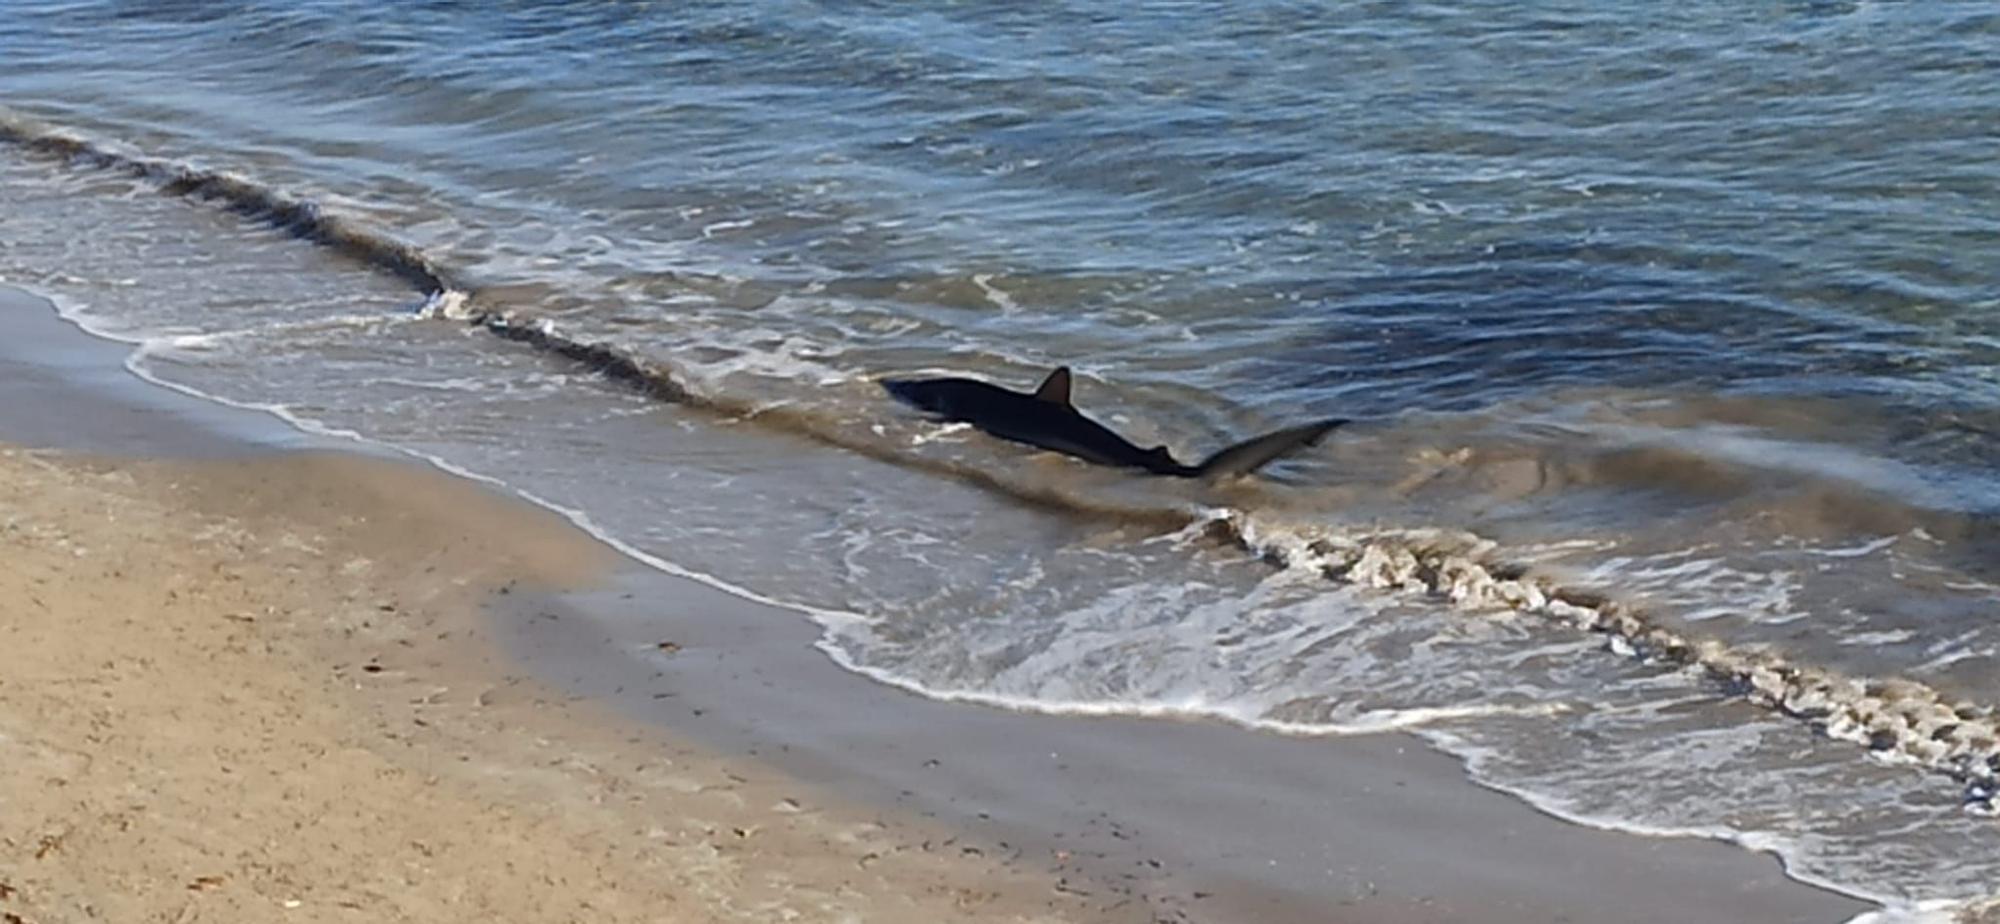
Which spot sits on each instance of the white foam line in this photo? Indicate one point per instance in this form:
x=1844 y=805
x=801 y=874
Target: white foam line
x=167 y=344
x=939 y=433
x=711 y=230
x=1373 y=723
x=78 y=316
x=1891 y=910
x=1917 y=913
x=1856 y=551
x=449 y=303
x=994 y=294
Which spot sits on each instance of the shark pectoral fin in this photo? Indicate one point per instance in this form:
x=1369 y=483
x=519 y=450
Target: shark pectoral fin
x=1055 y=388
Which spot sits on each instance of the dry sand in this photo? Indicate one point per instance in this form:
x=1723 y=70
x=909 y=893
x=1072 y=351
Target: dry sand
x=248 y=690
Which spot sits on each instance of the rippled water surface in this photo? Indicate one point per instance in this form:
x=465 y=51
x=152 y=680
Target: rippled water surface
x=1671 y=334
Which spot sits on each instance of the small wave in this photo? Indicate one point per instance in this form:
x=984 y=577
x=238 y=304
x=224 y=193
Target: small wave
x=1895 y=718
x=1932 y=912
x=1890 y=909
x=994 y=294
x=1368 y=723
x=449 y=304
x=192 y=347
x=301 y=217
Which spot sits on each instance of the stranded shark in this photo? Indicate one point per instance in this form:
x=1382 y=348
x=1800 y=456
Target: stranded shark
x=1048 y=420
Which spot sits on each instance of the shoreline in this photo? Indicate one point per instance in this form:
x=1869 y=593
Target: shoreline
x=1111 y=818
x=247 y=678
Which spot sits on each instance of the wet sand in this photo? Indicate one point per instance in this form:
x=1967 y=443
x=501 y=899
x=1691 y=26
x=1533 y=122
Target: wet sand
x=272 y=684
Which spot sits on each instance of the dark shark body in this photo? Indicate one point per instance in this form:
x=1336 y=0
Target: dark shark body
x=1048 y=420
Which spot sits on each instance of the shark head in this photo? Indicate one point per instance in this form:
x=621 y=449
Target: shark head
x=933 y=395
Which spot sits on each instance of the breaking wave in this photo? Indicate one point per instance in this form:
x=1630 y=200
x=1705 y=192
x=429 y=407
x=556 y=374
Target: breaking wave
x=1893 y=717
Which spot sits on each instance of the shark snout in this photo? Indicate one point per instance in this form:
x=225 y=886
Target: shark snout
x=915 y=392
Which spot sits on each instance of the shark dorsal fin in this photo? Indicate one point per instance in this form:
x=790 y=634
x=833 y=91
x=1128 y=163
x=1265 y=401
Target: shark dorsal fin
x=1055 y=388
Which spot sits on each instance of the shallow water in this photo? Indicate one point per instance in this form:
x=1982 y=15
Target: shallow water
x=1671 y=336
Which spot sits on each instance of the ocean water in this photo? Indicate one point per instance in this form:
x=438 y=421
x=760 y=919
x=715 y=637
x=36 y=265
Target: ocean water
x=1672 y=335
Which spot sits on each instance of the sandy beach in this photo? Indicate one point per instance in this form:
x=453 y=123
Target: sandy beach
x=246 y=677
x=253 y=687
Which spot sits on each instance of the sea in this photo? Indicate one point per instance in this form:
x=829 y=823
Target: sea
x=1670 y=334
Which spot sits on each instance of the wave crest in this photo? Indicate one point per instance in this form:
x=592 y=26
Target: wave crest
x=1895 y=718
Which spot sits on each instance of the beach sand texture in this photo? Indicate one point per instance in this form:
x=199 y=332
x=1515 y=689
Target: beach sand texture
x=244 y=690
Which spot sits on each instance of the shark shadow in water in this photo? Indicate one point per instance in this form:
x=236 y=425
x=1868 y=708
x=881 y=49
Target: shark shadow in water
x=1048 y=420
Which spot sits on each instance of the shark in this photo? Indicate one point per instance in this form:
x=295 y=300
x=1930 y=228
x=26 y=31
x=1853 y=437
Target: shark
x=1045 y=418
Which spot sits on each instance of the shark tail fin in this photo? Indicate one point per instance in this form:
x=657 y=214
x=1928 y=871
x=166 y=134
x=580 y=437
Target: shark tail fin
x=1253 y=454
